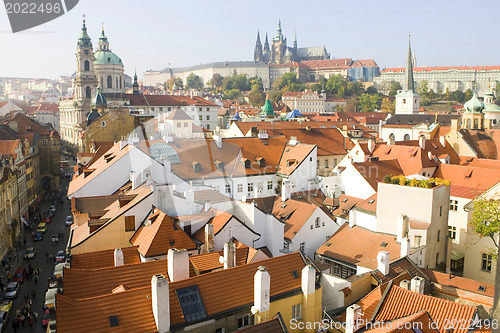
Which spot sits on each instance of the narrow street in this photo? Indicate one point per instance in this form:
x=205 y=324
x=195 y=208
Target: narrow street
x=43 y=249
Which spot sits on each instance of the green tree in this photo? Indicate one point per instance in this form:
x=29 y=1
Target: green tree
x=227 y=83
x=467 y=94
x=485 y=221
x=170 y=83
x=275 y=95
x=240 y=82
x=423 y=88
x=216 y=80
x=288 y=82
x=388 y=105
x=232 y=94
x=316 y=87
x=352 y=104
x=193 y=81
x=354 y=88
x=458 y=96
x=256 y=97
x=369 y=102
x=256 y=83
x=394 y=86
x=336 y=85
x=371 y=90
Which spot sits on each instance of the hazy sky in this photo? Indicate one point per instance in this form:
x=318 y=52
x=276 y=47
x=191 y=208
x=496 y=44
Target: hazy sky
x=151 y=34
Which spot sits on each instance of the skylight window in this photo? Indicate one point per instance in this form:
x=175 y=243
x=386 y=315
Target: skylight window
x=384 y=244
x=481 y=289
x=191 y=304
x=371 y=201
x=113 y=321
x=295 y=274
x=345 y=200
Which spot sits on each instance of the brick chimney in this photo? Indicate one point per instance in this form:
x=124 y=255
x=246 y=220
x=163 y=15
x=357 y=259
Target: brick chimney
x=161 y=302
x=178 y=264
x=262 y=290
x=383 y=262
x=119 y=261
x=229 y=255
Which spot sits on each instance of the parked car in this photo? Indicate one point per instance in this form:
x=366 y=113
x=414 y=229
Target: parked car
x=19 y=275
x=53 y=208
x=69 y=220
x=4 y=317
x=47 y=219
x=60 y=256
x=42 y=227
x=6 y=305
x=38 y=236
x=29 y=253
x=12 y=289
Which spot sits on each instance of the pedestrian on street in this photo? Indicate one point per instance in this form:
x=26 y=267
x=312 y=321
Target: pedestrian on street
x=14 y=324
x=33 y=293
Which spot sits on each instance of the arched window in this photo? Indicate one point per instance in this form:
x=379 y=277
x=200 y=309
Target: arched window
x=468 y=123
x=86 y=65
x=185 y=124
x=178 y=124
x=117 y=82
x=317 y=222
x=120 y=83
x=392 y=137
x=102 y=82
x=476 y=123
x=407 y=137
x=494 y=121
x=110 y=82
x=88 y=92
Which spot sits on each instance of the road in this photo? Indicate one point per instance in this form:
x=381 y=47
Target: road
x=56 y=226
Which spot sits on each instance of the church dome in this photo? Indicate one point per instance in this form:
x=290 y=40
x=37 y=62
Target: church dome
x=474 y=105
x=267 y=109
x=106 y=58
x=98 y=100
x=93 y=115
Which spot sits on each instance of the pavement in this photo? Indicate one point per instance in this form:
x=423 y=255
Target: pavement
x=56 y=226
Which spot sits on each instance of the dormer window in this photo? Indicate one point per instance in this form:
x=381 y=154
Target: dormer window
x=260 y=161
x=219 y=165
x=196 y=167
x=246 y=163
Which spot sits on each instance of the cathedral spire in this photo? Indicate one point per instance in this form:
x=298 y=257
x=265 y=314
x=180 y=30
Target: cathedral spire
x=409 y=83
x=266 y=44
x=295 y=41
x=257 y=54
x=103 y=41
x=135 y=86
x=84 y=36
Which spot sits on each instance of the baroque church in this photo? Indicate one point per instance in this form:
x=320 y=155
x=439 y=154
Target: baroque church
x=99 y=72
x=280 y=53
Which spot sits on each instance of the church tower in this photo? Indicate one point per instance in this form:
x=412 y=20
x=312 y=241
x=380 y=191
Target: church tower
x=135 y=86
x=408 y=100
x=85 y=82
x=257 y=54
x=109 y=70
x=279 y=47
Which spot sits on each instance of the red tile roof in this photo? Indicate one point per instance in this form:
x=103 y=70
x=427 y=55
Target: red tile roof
x=345 y=204
x=104 y=259
x=460 y=282
x=374 y=171
x=328 y=63
x=166 y=100
x=441 y=68
x=293 y=156
x=293 y=213
x=421 y=320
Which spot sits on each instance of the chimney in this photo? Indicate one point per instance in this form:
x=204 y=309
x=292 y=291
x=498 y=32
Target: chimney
x=352 y=318
x=161 y=302
x=207 y=205
x=442 y=140
x=429 y=155
x=421 y=141
x=189 y=195
x=209 y=236
x=286 y=190
x=293 y=141
x=392 y=140
x=417 y=284
x=263 y=135
x=344 y=131
x=119 y=261
x=405 y=284
x=262 y=290
x=403 y=223
x=308 y=128
x=352 y=219
x=371 y=145
x=454 y=125
x=308 y=280
x=178 y=264
x=383 y=262
x=405 y=247
x=229 y=255
x=218 y=140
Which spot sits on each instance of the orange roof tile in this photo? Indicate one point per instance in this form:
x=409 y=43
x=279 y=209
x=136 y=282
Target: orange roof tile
x=359 y=246
x=368 y=205
x=345 y=204
x=442 y=68
x=159 y=234
x=293 y=156
x=460 y=282
x=104 y=259
x=400 y=302
x=293 y=213
x=468 y=176
x=374 y=171
x=275 y=325
x=8 y=147
x=421 y=320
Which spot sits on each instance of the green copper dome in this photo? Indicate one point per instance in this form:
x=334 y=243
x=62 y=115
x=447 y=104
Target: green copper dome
x=107 y=58
x=98 y=100
x=92 y=116
x=474 y=105
x=267 y=109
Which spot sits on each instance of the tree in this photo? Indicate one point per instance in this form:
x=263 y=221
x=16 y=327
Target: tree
x=216 y=80
x=388 y=105
x=394 y=86
x=232 y=94
x=256 y=97
x=193 y=81
x=485 y=221
x=467 y=94
x=423 y=88
x=369 y=102
x=174 y=80
x=352 y=104
x=288 y=82
x=256 y=83
x=371 y=90
x=275 y=95
x=240 y=82
x=457 y=96
x=316 y=87
x=354 y=88
x=227 y=83
x=336 y=85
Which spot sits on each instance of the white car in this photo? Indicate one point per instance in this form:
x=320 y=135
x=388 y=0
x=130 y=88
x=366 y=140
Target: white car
x=69 y=220
x=12 y=289
x=30 y=253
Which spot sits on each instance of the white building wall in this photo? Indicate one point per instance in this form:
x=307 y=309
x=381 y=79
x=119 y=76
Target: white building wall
x=234 y=229
x=332 y=294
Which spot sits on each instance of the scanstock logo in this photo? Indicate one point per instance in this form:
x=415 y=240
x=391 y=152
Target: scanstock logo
x=26 y=14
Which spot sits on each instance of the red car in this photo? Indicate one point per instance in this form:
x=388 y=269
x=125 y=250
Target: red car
x=18 y=276
x=47 y=219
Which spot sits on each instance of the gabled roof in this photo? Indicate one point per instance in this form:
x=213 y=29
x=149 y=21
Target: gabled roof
x=8 y=147
x=383 y=168
x=104 y=259
x=178 y=114
x=459 y=282
x=359 y=246
x=398 y=267
x=97 y=167
x=477 y=178
x=416 y=119
x=328 y=63
x=166 y=100
x=443 y=68
x=329 y=141
x=293 y=213
x=369 y=205
x=91 y=204
x=293 y=156
x=344 y=204
x=403 y=325
x=412 y=159
x=485 y=143
x=159 y=234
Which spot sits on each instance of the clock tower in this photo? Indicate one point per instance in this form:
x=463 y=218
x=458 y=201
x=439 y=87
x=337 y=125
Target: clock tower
x=85 y=83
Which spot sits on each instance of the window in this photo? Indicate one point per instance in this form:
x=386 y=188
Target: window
x=110 y=81
x=201 y=109
x=454 y=205
x=208 y=117
x=486 y=263
x=326 y=163
x=440 y=210
x=452 y=232
x=208 y=126
x=88 y=92
x=302 y=247
x=317 y=222
x=103 y=123
x=86 y=66
x=239 y=188
x=286 y=245
x=418 y=240
x=44 y=142
x=185 y=124
x=404 y=100
x=228 y=189
x=130 y=223
x=161 y=109
x=178 y=124
x=437 y=258
x=201 y=117
x=220 y=330
x=296 y=311
x=250 y=187
x=310 y=159
x=191 y=304
x=270 y=185
x=208 y=109
x=245 y=321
